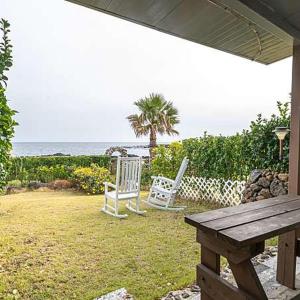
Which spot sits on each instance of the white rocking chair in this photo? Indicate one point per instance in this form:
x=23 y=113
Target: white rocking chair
x=127 y=187
x=163 y=190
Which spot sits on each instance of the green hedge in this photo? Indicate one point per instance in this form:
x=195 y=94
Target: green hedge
x=42 y=167
x=229 y=157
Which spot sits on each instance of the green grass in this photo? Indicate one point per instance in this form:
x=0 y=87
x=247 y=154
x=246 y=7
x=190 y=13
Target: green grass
x=58 y=245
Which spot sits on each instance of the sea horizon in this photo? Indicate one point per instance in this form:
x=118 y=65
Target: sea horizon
x=76 y=148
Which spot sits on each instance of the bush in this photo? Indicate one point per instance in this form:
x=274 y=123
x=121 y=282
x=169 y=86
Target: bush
x=7 y=123
x=14 y=183
x=50 y=168
x=47 y=174
x=90 y=179
x=167 y=160
x=228 y=157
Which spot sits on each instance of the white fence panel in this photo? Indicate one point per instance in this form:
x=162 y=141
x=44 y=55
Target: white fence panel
x=224 y=192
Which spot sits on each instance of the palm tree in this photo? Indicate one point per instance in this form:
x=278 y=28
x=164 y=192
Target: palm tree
x=156 y=116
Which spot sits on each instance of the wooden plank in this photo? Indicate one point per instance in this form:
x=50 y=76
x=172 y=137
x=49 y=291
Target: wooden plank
x=287 y=243
x=247 y=279
x=235 y=254
x=211 y=260
x=294 y=155
x=261 y=230
x=298 y=248
x=217 y=288
x=286 y=261
x=250 y=216
x=196 y=219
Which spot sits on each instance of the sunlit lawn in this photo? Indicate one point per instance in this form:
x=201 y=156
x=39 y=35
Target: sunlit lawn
x=58 y=245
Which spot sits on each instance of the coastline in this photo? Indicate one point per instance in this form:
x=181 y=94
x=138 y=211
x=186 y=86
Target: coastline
x=22 y=149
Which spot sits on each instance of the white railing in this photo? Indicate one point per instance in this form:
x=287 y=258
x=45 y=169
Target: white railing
x=224 y=192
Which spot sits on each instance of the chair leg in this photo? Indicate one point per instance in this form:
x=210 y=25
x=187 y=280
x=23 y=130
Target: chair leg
x=105 y=202
x=137 y=206
x=112 y=210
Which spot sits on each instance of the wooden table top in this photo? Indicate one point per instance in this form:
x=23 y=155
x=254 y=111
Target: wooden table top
x=252 y=222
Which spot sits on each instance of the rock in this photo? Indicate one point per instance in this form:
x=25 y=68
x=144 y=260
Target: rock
x=265 y=193
x=185 y=295
x=277 y=188
x=195 y=289
x=177 y=297
x=264 y=182
x=255 y=174
x=34 y=185
x=283 y=177
x=14 y=190
x=255 y=188
x=61 y=184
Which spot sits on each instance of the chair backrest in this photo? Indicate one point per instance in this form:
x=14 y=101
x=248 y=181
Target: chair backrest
x=128 y=177
x=180 y=173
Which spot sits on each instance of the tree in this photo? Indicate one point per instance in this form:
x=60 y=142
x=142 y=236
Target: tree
x=156 y=116
x=7 y=122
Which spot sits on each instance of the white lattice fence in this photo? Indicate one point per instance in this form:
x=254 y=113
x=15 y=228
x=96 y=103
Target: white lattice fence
x=224 y=192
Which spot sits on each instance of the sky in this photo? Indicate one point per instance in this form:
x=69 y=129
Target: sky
x=77 y=73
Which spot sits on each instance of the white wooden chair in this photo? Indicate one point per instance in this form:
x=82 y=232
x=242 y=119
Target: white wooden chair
x=163 y=190
x=127 y=187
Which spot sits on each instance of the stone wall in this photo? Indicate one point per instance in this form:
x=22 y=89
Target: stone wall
x=264 y=184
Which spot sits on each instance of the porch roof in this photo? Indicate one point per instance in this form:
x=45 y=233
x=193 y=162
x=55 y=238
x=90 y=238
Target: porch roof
x=260 y=30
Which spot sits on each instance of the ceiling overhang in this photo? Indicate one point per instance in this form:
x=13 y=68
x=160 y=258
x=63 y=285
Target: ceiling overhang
x=259 y=30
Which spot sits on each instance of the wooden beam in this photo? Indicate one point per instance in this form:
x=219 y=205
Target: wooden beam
x=218 y=288
x=211 y=260
x=236 y=255
x=294 y=167
x=287 y=248
x=247 y=279
x=286 y=261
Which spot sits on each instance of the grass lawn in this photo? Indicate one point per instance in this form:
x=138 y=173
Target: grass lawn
x=58 y=245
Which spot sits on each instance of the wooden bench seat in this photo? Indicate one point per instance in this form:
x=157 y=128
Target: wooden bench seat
x=238 y=233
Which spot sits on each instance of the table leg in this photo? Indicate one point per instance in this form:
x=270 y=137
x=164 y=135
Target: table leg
x=286 y=261
x=247 y=279
x=211 y=260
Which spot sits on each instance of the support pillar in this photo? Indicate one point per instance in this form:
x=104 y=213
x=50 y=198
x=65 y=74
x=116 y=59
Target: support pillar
x=286 y=263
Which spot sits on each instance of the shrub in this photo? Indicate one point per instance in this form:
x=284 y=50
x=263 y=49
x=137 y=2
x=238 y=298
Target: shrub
x=14 y=183
x=7 y=122
x=90 y=179
x=167 y=160
x=47 y=174
x=229 y=157
x=26 y=168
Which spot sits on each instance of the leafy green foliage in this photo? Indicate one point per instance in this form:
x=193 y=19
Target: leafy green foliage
x=48 y=174
x=167 y=160
x=90 y=179
x=231 y=157
x=157 y=116
x=48 y=168
x=7 y=123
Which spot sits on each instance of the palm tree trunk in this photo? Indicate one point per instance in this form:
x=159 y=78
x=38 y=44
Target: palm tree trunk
x=153 y=143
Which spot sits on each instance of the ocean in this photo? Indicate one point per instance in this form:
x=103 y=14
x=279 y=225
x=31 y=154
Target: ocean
x=75 y=148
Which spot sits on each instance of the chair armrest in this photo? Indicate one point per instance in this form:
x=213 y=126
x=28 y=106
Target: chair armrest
x=161 y=178
x=108 y=184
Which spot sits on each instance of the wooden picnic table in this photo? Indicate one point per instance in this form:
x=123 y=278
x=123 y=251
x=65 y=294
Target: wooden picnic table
x=239 y=233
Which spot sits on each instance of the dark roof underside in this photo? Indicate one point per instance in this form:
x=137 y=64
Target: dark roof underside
x=260 y=30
